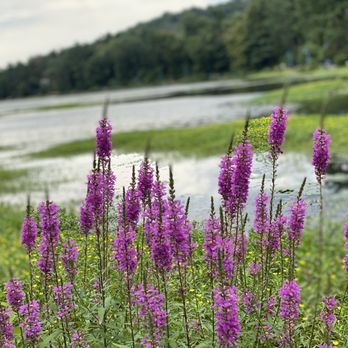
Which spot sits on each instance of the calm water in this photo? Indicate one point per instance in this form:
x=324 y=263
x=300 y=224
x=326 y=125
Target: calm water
x=26 y=130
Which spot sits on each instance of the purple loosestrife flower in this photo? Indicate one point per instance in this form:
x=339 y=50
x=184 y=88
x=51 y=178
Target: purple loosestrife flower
x=145 y=180
x=250 y=302
x=86 y=218
x=261 y=217
x=132 y=202
x=240 y=246
x=45 y=262
x=132 y=206
x=152 y=213
x=289 y=302
x=125 y=254
x=78 y=341
x=266 y=332
x=242 y=163
x=270 y=306
x=226 y=251
x=175 y=221
x=109 y=186
x=64 y=301
x=103 y=139
x=7 y=344
x=321 y=152
x=14 y=293
x=31 y=324
x=161 y=251
x=95 y=196
x=228 y=327
x=6 y=328
x=327 y=316
x=49 y=221
x=211 y=244
x=150 y=309
x=29 y=233
x=276 y=232
x=157 y=235
x=69 y=258
x=277 y=130
x=254 y=268
x=225 y=177
x=296 y=220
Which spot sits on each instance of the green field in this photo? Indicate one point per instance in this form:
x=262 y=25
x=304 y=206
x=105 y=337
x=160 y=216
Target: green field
x=213 y=139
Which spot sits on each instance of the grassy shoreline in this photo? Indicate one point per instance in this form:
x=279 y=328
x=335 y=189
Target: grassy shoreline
x=213 y=139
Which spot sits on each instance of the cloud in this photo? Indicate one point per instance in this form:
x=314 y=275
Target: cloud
x=35 y=27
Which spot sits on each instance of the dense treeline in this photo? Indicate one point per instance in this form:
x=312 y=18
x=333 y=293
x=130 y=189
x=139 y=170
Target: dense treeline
x=234 y=37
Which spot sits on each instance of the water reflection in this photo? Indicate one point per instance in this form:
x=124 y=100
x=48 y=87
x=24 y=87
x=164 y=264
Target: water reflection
x=195 y=178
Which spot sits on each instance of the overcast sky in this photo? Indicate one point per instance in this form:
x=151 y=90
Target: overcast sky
x=31 y=27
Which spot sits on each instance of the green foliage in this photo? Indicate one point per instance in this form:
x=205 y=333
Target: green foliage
x=195 y=44
x=88 y=314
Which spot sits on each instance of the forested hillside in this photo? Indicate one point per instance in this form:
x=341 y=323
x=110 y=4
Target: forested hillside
x=235 y=37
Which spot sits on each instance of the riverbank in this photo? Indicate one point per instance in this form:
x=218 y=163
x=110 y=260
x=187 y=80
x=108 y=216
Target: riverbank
x=213 y=139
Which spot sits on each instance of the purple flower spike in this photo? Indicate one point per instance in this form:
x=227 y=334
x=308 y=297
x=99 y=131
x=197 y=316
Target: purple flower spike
x=14 y=293
x=327 y=316
x=157 y=235
x=124 y=252
x=31 y=324
x=228 y=327
x=6 y=328
x=289 y=302
x=45 y=262
x=145 y=180
x=29 y=233
x=86 y=218
x=63 y=299
x=277 y=130
x=95 y=188
x=250 y=302
x=254 y=268
x=225 y=178
x=276 y=231
x=321 y=152
x=179 y=229
x=242 y=163
x=261 y=216
x=69 y=258
x=132 y=206
x=150 y=310
x=78 y=341
x=296 y=221
x=211 y=244
x=49 y=237
x=109 y=186
x=103 y=139
x=49 y=220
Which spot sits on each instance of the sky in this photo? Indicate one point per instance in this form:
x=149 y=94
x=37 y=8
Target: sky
x=34 y=27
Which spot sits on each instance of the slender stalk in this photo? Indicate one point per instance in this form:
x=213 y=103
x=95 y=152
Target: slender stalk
x=183 y=298
x=85 y=261
x=321 y=233
x=30 y=275
x=130 y=309
x=166 y=305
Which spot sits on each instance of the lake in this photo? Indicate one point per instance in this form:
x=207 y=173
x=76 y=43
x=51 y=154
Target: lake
x=29 y=125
